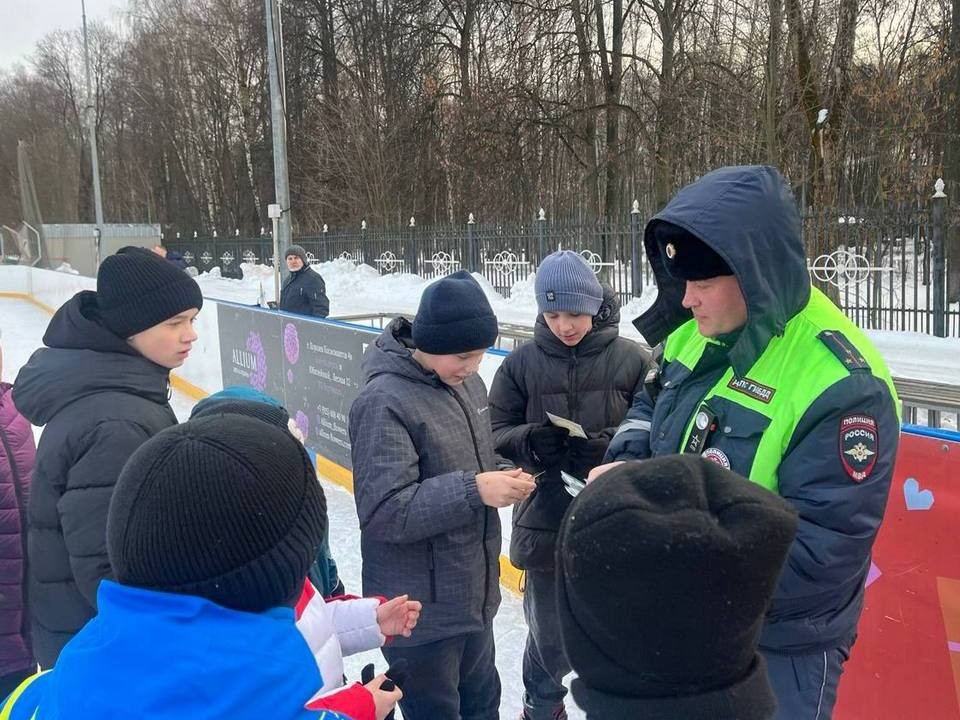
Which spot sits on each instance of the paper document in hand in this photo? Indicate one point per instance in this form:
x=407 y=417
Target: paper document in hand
x=571 y=484
x=575 y=429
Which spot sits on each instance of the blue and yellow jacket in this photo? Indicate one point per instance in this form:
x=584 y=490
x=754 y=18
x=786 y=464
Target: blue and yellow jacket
x=164 y=656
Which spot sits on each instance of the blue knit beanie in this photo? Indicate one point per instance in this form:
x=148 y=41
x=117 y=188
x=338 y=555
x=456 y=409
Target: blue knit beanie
x=243 y=400
x=565 y=283
x=454 y=317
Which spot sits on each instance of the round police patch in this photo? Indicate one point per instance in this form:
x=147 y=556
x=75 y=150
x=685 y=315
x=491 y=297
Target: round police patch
x=859 y=444
x=702 y=420
x=718 y=456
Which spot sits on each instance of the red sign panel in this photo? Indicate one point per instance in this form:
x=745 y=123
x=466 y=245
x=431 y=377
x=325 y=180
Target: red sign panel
x=906 y=662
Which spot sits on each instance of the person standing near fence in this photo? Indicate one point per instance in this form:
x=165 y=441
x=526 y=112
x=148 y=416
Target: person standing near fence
x=763 y=374
x=577 y=367
x=303 y=291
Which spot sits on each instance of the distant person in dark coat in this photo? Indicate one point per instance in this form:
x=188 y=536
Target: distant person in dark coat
x=303 y=292
x=17 y=455
x=101 y=387
x=171 y=255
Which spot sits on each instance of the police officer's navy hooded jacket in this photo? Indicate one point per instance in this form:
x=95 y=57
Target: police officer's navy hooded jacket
x=798 y=400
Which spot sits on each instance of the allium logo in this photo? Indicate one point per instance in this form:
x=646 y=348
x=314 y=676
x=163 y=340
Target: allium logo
x=291 y=343
x=258 y=374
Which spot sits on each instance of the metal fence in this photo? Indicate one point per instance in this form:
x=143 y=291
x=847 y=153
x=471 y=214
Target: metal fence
x=885 y=268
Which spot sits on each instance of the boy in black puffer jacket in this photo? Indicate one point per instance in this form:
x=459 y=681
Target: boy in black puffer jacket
x=578 y=368
x=101 y=388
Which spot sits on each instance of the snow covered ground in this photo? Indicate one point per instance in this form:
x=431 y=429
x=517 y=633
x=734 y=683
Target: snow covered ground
x=23 y=324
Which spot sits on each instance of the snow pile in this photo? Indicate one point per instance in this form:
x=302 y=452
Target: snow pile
x=918 y=356
x=248 y=291
x=66 y=268
x=355 y=289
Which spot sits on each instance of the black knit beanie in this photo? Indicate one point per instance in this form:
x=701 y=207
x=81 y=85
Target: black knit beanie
x=684 y=255
x=665 y=570
x=454 y=316
x=226 y=508
x=137 y=289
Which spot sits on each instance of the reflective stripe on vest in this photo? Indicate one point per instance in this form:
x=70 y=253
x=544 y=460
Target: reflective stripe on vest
x=782 y=391
x=6 y=712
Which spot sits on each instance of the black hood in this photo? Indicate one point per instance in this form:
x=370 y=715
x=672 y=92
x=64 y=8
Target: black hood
x=606 y=328
x=748 y=216
x=83 y=358
x=391 y=353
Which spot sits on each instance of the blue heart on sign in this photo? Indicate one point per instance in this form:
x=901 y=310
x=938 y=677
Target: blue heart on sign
x=916 y=498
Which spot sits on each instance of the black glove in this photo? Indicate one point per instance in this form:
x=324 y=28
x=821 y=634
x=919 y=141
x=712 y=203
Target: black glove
x=548 y=444
x=396 y=676
x=587 y=453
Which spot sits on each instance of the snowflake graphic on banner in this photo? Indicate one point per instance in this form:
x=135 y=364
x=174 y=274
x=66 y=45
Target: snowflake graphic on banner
x=291 y=343
x=258 y=377
x=303 y=422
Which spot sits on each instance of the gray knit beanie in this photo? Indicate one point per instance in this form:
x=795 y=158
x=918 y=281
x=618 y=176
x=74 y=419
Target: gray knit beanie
x=299 y=252
x=565 y=283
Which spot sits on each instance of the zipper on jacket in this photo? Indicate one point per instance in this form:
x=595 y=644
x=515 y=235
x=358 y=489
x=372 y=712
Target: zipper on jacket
x=486 y=510
x=572 y=385
x=433 y=573
x=21 y=511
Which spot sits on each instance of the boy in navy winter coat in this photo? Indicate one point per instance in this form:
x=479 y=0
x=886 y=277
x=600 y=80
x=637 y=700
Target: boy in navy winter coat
x=427 y=490
x=577 y=368
x=101 y=388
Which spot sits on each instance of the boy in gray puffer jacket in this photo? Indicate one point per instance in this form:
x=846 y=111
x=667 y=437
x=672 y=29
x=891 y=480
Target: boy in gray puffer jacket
x=427 y=488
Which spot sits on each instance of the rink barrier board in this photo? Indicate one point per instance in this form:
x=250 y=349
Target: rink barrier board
x=28 y=298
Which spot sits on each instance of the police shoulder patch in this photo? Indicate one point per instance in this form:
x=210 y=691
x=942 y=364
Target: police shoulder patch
x=859 y=445
x=845 y=350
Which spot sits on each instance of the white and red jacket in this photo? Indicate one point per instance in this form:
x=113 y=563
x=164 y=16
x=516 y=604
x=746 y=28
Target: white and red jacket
x=333 y=628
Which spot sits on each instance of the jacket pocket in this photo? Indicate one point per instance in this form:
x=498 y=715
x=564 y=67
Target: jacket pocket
x=739 y=431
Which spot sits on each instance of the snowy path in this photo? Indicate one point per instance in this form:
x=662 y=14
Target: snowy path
x=23 y=324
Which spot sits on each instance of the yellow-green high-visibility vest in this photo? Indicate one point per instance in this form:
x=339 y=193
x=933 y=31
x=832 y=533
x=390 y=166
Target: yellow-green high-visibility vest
x=793 y=371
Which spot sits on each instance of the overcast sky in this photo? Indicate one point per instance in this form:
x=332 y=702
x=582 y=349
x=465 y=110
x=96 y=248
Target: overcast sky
x=23 y=22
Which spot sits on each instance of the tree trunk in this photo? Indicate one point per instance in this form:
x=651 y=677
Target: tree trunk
x=773 y=80
x=666 y=106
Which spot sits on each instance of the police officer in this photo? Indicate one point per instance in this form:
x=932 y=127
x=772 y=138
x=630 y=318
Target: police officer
x=303 y=291
x=763 y=374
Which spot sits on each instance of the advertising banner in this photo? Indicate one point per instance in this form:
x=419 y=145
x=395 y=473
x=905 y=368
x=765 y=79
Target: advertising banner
x=312 y=367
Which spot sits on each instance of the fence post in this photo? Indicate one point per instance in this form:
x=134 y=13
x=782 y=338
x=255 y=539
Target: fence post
x=473 y=256
x=541 y=239
x=636 y=271
x=413 y=252
x=937 y=213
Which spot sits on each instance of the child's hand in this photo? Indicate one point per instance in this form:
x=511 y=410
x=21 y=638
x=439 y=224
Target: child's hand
x=384 y=700
x=601 y=469
x=503 y=488
x=398 y=616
